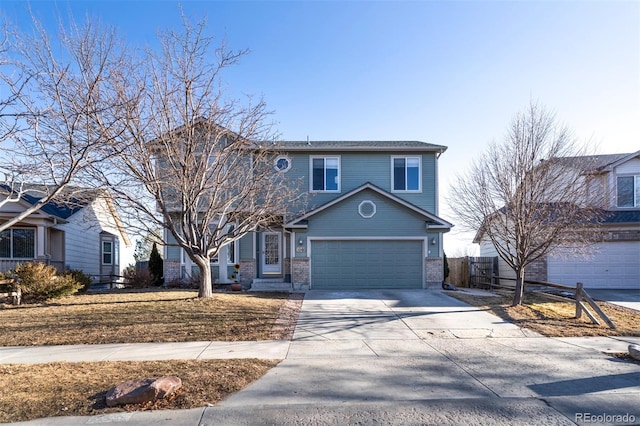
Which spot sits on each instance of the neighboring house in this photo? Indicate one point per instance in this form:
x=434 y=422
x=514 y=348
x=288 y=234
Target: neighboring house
x=82 y=233
x=615 y=261
x=370 y=220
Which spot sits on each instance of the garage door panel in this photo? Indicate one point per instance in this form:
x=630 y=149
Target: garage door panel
x=611 y=265
x=366 y=264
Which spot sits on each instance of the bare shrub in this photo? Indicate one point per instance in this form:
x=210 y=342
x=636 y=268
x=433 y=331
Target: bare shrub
x=39 y=282
x=137 y=278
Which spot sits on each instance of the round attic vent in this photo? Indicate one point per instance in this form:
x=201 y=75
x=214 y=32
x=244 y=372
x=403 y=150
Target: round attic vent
x=367 y=209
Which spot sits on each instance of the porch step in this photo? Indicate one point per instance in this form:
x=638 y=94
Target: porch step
x=270 y=284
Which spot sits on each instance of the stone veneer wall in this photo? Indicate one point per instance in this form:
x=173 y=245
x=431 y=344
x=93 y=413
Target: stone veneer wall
x=247 y=271
x=300 y=270
x=172 y=270
x=434 y=272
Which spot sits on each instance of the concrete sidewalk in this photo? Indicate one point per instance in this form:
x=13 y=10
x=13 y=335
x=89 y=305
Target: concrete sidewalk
x=276 y=349
x=401 y=357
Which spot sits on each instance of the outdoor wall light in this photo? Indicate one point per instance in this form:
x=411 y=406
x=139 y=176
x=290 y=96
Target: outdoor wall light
x=300 y=242
x=433 y=241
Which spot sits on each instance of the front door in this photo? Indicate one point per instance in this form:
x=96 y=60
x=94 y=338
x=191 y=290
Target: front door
x=270 y=251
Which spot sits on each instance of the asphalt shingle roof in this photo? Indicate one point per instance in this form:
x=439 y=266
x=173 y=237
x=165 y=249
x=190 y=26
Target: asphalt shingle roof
x=72 y=199
x=592 y=163
x=624 y=216
x=359 y=145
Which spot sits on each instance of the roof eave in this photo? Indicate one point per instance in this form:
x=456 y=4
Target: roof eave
x=283 y=146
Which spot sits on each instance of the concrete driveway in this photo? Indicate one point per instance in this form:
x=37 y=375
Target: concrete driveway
x=624 y=297
x=391 y=347
x=407 y=315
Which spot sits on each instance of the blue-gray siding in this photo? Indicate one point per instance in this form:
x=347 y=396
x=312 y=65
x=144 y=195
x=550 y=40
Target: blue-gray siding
x=390 y=219
x=246 y=246
x=357 y=168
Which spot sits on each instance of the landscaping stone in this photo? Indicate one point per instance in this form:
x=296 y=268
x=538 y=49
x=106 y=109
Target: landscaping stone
x=142 y=390
x=634 y=352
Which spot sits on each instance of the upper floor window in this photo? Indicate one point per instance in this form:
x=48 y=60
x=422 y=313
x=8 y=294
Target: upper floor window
x=628 y=191
x=17 y=243
x=406 y=174
x=325 y=174
x=282 y=164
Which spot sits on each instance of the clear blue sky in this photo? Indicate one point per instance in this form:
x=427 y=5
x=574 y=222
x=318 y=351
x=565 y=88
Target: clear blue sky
x=451 y=73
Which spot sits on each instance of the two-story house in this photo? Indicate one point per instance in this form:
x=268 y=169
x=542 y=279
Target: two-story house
x=613 y=262
x=369 y=220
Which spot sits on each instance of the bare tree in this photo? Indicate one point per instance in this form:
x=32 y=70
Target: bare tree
x=530 y=193
x=51 y=92
x=192 y=162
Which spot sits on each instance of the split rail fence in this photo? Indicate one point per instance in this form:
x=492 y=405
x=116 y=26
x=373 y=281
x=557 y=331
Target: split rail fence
x=482 y=272
x=582 y=300
x=10 y=288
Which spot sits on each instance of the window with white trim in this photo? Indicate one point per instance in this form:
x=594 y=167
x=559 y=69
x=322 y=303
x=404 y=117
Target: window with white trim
x=406 y=174
x=107 y=253
x=231 y=249
x=231 y=254
x=325 y=174
x=628 y=191
x=18 y=243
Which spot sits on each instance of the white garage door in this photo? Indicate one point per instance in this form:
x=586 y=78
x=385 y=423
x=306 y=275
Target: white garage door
x=366 y=264
x=612 y=265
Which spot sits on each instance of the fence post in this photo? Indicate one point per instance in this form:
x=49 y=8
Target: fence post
x=579 y=300
x=17 y=291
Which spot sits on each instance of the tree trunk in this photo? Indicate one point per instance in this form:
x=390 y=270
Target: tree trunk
x=206 y=285
x=517 y=297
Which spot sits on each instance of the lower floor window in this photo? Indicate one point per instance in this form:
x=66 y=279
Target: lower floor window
x=18 y=243
x=107 y=253
x=231 y=254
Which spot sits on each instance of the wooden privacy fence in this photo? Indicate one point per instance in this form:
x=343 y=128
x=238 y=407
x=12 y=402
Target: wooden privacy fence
x=581 y=298
x=472 y=271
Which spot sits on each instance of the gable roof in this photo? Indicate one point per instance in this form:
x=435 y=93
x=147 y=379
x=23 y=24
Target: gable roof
x=596 y=163
x=434 y=221
x=602 y=217
x=72 y=199
x=360 y=146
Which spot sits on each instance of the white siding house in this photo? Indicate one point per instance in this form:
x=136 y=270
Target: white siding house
x=614 y=262
x=84 y=234
x=95 y=240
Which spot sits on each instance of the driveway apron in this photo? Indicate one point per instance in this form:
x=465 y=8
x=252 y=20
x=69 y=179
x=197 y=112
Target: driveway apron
x=423 y=346
x=373 y=345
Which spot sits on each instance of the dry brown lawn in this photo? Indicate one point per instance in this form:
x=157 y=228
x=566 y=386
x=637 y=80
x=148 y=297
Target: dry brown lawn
x=69 y=389
x=144 y=316
x=29 y=392
x=555 y=318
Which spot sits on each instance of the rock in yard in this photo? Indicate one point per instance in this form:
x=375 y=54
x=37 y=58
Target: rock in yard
x=634 y=352
x=142 y=390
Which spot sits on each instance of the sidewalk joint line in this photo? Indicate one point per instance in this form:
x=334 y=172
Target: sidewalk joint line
x=465 y=370
x=203 y=351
